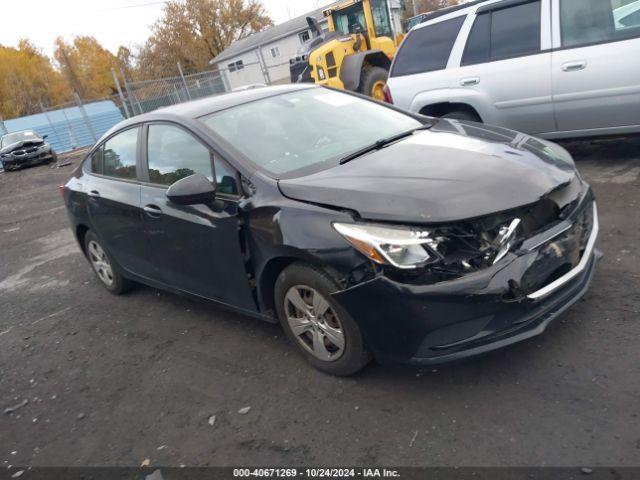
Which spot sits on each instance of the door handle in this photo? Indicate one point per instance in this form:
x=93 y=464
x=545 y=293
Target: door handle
x=469 y=82
x=94 y=194
x=574 y=66
x=153 y=210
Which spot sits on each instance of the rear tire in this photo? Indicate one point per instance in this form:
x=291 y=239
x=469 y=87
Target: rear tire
x=462 y=115
x=103 y=266
x=325 y=333
x=372 y=82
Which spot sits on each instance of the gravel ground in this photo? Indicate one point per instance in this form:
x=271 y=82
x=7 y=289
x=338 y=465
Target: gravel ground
x=117 y=380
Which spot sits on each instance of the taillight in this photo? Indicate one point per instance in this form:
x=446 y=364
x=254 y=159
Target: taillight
x=387 y=94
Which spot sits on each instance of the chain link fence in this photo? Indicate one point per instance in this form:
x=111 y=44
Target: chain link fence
x=82 y=122
x=148 y=95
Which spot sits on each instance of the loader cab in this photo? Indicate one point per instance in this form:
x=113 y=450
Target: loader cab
x=355 y=54
x=367 y=17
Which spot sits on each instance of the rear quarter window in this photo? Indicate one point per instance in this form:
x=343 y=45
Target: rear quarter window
x=427 y=49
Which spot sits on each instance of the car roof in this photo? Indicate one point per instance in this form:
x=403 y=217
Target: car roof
x=205 y=106
x=187 y=112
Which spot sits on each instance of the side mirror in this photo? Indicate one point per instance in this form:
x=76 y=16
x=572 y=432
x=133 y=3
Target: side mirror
x=192 y=190
x=44 y=137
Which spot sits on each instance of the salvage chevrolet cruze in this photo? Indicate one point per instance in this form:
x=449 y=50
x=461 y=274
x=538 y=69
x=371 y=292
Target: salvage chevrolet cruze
x=365 y=230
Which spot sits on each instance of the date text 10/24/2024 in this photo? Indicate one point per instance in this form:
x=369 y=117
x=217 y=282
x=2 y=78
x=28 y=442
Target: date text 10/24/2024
x=315 y=473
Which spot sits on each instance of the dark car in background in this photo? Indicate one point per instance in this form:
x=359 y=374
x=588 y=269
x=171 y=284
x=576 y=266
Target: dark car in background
x=363 y=229
x=18 y=149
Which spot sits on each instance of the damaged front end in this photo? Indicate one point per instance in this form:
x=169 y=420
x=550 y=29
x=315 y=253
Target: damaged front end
x=485 y=282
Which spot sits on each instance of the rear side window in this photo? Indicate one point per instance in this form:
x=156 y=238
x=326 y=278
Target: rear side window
x=120 y=154
x=584 y=22
x=504 y=33
x=427 y=49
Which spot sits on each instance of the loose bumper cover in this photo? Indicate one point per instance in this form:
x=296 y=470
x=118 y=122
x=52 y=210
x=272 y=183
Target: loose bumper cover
x=481 y=311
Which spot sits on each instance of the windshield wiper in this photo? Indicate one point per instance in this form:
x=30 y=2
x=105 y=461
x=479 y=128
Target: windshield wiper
x=377 y=145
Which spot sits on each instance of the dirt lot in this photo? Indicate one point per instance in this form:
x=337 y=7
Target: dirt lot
x=115 y=380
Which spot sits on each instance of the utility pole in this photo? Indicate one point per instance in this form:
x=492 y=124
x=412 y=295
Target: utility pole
x=415 y=7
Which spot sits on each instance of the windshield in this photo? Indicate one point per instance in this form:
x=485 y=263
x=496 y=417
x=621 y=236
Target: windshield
x=305 y=131
x=350 y=20
x=16 y=137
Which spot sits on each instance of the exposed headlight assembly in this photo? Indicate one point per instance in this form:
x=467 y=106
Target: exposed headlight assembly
x=401 y=247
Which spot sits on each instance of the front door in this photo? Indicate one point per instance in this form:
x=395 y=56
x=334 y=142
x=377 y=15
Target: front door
x=196 y=247
x=596 y=70
x=113 y=201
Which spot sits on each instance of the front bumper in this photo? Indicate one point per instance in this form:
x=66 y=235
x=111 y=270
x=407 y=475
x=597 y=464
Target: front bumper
x=27 y=159
x=471 y=315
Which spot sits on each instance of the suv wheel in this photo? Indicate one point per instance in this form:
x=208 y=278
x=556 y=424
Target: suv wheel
x=323 y=331
x=103 y=266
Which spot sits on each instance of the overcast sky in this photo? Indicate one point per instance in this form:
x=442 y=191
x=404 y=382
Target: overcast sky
x=112 y=22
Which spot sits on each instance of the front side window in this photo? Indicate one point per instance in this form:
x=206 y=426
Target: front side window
x=120 y=153
x=174 y=154
x=584 y=22
x=350 y=20
x=427 y=49
x=309 y=130
x=504 y=33
x=96 y=162
x=381 y=20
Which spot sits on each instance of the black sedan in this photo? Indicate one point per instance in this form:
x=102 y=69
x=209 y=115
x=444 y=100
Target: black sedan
x=19 y=149
x=363 y=229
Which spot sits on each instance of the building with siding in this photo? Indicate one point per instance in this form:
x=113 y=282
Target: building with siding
x=264 y=56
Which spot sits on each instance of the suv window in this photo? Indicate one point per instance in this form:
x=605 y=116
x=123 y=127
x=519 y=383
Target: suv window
x=584 y=22
x=427 y=49
x=504 y=33
x=120 y=152
x=174 y=154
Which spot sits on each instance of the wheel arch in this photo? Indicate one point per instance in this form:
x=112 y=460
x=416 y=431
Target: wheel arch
x=81 y=232
x=443 y=108
x=269 y=273
x=351 y=69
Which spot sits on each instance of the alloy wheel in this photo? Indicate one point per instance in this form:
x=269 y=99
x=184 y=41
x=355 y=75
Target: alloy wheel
x=100 y=263
x=314 y=323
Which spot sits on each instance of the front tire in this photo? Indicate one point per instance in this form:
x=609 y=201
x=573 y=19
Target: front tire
x=104 y=266
x=372 y=82
x=321 y=329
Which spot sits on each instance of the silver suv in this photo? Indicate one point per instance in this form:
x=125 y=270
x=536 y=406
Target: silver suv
x=555 y=68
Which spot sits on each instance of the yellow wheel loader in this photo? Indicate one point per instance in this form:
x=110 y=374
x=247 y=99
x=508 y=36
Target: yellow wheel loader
x=355 y=54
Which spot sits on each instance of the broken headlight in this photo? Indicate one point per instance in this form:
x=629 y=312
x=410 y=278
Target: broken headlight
x=401 y=247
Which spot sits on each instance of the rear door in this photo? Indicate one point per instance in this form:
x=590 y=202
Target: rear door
x=113 y=201
x=197 y=248
x=506 y=65
x=596 y=65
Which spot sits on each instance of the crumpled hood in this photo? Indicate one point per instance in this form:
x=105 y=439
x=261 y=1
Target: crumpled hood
x=453 y=171
x=19 y=145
